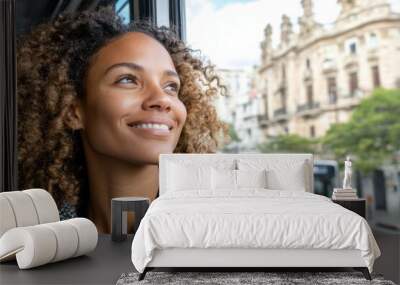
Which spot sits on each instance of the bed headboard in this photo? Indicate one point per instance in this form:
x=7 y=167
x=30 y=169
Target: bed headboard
x=282 y=164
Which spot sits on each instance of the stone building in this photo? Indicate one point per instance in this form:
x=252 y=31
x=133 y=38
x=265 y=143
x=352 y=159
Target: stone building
x=316 y=77
x=237 y=82
x=241 y=107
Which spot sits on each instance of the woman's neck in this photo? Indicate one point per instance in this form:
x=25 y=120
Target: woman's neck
x=110 y=178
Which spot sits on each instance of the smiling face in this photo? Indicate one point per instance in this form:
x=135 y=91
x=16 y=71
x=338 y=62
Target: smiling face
x=131 y=110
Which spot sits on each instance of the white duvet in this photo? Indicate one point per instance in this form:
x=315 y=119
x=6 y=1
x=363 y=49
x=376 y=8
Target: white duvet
x=250 y=219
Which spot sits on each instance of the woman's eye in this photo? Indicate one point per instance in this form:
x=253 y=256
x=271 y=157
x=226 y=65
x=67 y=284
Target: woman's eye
x=128 y=79
x=172 y=87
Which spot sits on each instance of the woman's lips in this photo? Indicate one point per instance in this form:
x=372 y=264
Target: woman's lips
x=155 y=122
x=151 y=132
x=153 y=127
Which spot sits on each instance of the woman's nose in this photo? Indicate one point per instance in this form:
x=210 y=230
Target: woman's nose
x=157 y=99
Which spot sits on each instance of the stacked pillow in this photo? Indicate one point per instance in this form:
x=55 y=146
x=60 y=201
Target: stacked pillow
x=205 y=178
x=238 y=179
x=182 y=177
x=291 y=174
x=231 y=175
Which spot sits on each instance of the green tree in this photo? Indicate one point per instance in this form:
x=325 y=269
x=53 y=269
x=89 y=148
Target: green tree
x=288 y=143
x=373 y=133
x=232 y=133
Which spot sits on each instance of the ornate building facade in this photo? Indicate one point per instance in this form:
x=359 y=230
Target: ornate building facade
x=316 y=77
x=241 y=108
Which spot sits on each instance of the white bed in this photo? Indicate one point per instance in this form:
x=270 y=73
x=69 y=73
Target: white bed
x=203 y=220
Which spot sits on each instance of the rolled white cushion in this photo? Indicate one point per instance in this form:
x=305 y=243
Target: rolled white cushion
x=7 y=218
x=33 y=245
x=87 y=235
x=45 y=205
x=67 y=240
x=26 y=208
x=45 y=243
x=23 y=208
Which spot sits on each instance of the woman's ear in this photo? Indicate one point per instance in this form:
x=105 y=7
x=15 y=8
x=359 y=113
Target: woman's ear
x=74 y=116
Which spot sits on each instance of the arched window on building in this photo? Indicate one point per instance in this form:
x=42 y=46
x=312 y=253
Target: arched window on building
x=310 y=94
x=283 y=72
x=352 y=46
x=376 y=79
x=353 y=83
x=308 y=63
x=312 y=131
x=372 y=41
x=332 y=89
x=283 y=88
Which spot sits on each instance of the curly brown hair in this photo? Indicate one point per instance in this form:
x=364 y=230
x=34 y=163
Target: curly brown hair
x=52 y=61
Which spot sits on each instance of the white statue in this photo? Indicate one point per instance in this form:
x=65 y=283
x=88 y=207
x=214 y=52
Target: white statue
x=347 y=174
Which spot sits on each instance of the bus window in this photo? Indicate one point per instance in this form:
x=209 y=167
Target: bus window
x=326 y=177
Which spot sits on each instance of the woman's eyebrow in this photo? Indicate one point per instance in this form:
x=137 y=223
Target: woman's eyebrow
x=138 y=67
x=130 y=65
x=171 y=73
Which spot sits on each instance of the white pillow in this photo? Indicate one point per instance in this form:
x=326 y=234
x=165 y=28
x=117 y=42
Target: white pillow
x=223 y=179
x=281 y=180
x=251 y=178
x=188 y=177
x=282 y=173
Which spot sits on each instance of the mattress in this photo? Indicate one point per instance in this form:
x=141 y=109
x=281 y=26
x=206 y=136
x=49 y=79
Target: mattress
x=251 y=218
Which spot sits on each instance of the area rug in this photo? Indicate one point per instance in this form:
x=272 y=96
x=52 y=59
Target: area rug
x=231 y=278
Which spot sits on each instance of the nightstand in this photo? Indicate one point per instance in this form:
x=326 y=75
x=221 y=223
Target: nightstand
x=119 y=208
x=356 y=205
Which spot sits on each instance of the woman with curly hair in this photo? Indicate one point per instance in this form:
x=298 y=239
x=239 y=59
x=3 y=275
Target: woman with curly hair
x=99 y=100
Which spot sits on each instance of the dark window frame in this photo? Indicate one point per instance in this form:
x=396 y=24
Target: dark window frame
x=376 y=78
x=8 y=100
x=308 y=64
x=177 y=17
x=283 y=98
x=332 y=89
x=176 y=14
x=353 y=48
x=310 y=94
x=148 y=10
x=265 y=98
x=312 y=131
x=353 y=82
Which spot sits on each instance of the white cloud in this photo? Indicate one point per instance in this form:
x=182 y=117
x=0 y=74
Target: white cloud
x=230 y=36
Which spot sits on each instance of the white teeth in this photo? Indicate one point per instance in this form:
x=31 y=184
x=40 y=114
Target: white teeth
x=152 y=126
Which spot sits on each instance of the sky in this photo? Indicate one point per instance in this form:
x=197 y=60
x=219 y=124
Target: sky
x=229 y=32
